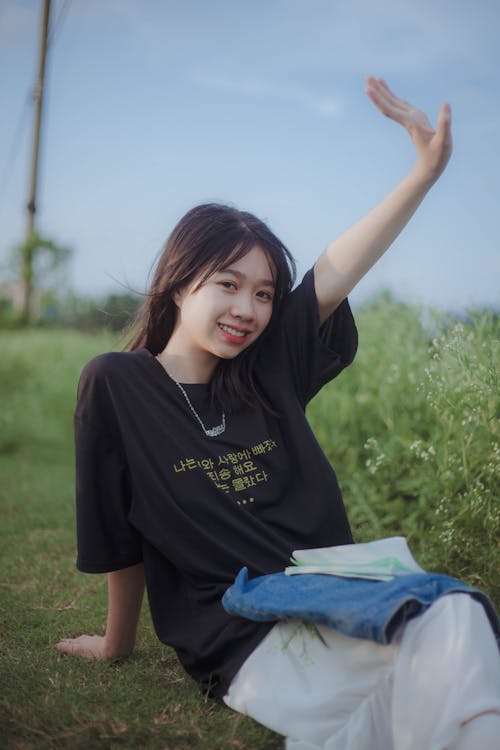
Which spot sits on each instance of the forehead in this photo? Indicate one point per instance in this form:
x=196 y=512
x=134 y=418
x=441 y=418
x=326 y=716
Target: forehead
x=254 y=263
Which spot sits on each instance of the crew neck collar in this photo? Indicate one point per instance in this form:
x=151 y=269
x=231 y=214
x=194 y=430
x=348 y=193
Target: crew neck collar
x=170 y=379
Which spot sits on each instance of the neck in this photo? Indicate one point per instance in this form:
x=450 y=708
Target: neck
x=186 y=369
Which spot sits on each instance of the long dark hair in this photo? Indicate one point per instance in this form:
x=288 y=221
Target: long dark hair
x=208 y=238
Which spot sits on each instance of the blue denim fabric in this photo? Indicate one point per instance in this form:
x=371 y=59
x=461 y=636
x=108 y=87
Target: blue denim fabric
x=357 y=607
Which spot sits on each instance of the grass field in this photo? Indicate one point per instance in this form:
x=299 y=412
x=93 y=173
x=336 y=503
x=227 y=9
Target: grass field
x=412 y=430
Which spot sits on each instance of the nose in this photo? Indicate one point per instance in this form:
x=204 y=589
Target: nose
x=243 y=307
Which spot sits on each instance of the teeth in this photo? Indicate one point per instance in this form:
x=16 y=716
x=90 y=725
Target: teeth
x=232 y=331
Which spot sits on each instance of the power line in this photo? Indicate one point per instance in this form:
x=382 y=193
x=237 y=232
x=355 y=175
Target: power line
x=15 y=148
x=55 y=28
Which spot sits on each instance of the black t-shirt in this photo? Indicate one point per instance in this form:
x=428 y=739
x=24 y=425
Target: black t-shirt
x=152 y=486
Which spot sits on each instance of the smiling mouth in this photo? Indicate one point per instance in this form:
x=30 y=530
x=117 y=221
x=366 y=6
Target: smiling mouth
x=233 y=331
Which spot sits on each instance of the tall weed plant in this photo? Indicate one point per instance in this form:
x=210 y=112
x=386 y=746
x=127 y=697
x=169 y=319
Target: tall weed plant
x=461 y=387
x=412 y=429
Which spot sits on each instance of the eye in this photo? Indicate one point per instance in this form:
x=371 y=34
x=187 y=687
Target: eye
x=227 y=284
x=266 y=296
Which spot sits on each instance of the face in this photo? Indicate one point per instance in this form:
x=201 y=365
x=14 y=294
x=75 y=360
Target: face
x=228 y=312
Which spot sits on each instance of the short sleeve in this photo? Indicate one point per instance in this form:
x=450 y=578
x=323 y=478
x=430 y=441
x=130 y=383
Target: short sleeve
x=106 y=539
x=315 y=354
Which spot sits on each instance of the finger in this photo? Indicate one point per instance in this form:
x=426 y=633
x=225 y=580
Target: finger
x=73 y=645
x=385 y=93
x=442 y=138
x=383 y=98
x=387 y=107
x=66 y=646
x=404 y=106
x=444 y=120
x=391 y=95
x=413 y=119
x=77 y=649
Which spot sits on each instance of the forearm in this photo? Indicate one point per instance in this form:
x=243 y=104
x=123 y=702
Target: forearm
x=125 y=594
x=348 y=258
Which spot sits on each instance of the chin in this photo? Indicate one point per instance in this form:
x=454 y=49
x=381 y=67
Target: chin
x=227 y=355
x=230 y=354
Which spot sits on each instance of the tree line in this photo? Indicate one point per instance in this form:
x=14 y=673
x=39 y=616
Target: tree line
x=36 y=292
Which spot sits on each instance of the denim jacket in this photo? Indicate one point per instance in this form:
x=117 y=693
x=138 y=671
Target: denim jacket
x=356 y=607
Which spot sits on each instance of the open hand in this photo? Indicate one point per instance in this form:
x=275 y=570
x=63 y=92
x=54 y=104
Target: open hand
x=88 y=646
x=433 y=147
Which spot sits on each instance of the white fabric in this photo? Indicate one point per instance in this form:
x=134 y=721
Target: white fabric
x=483 y=733
x=332 y=692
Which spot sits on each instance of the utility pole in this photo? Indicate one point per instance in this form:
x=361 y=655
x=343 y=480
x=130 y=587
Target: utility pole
x=28 y=249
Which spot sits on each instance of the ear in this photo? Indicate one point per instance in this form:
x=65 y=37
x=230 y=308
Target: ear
x=178 y=296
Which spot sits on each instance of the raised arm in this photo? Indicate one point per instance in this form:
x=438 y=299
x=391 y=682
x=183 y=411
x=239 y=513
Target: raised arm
x=350 y=256
x=125 y=593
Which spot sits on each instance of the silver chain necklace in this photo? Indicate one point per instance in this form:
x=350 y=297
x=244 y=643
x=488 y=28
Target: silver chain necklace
x=213 y=431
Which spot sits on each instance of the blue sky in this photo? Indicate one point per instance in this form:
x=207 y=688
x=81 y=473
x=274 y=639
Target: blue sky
x=153 y=107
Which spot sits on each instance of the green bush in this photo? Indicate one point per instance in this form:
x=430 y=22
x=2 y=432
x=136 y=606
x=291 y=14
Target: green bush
x=412 y=430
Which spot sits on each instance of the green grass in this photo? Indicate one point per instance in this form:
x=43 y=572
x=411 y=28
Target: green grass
x=48 y=700
x=412 y=430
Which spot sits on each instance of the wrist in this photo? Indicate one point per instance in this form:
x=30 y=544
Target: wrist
x=112 y=651
x=423 y=177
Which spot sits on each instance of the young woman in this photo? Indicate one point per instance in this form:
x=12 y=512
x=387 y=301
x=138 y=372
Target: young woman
x=194 y=459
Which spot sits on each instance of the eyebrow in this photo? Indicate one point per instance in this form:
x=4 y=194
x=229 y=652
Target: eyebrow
x=239 y=275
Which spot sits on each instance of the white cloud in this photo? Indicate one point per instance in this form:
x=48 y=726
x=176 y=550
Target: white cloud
x=324 y=105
